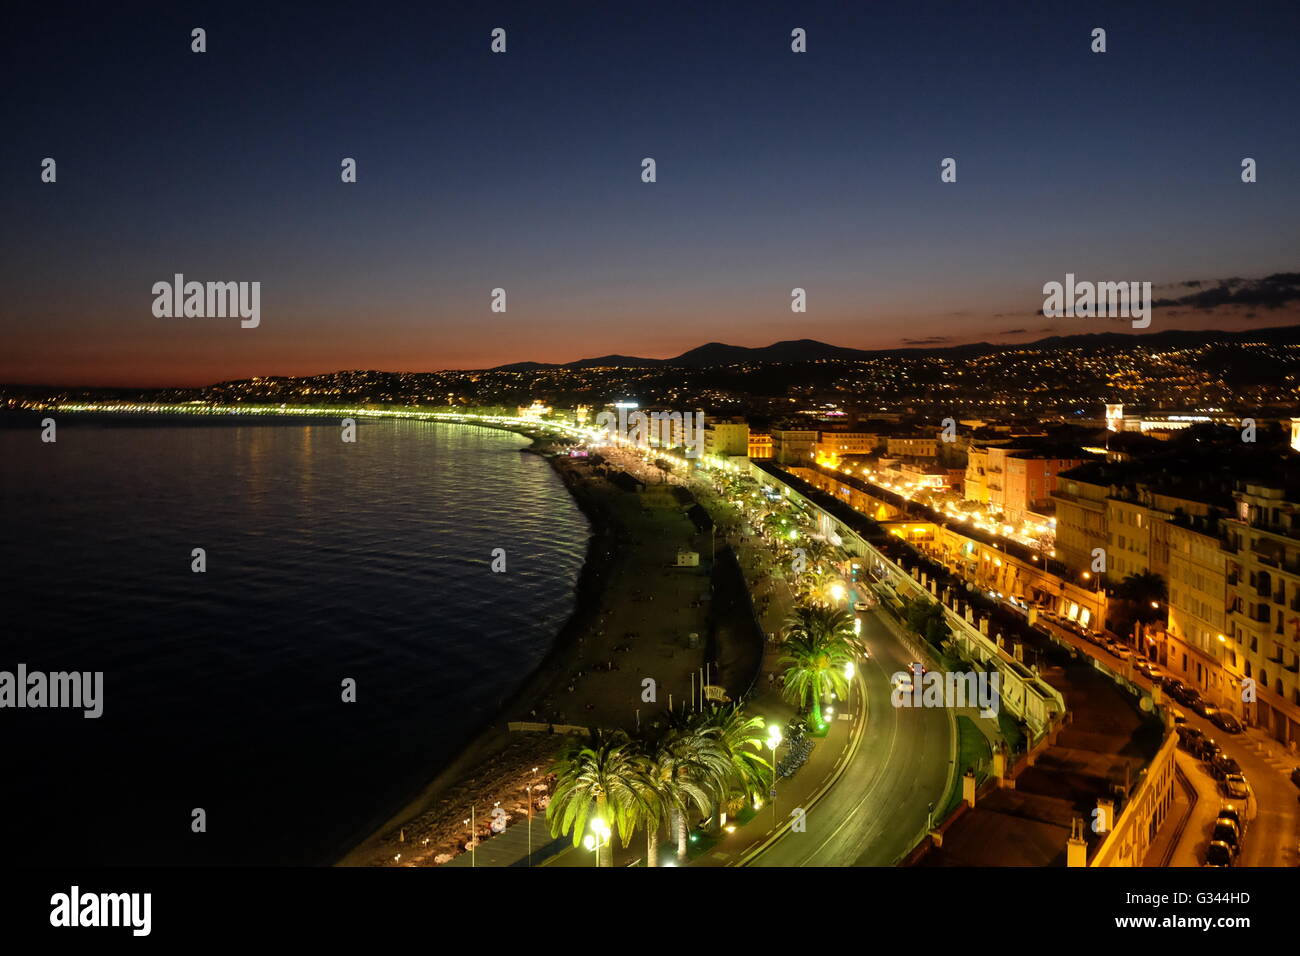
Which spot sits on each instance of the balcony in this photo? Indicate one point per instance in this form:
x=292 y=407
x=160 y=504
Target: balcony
x=1287 y=531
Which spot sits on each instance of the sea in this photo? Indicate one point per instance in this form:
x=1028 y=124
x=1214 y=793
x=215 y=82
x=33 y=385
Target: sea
x=346 y=636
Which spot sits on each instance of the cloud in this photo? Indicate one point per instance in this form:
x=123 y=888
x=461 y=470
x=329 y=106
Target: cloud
x=931 y=340
x=1271 y=292
x=1012 y=331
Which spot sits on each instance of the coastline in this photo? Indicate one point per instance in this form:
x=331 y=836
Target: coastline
x=640 y=617
x=494 y=751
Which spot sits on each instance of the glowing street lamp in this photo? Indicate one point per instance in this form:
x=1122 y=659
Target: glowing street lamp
x=597 y=838
x=773 y=741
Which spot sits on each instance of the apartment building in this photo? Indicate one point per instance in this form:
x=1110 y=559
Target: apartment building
x=1263 y=602
x=1020 y=478
x=1080 y=500
x=729 y=439
x=760 y=445
x=838 y=444
x=1197 y=645
x=977 y=465
x=794 y=446
x=912 y=446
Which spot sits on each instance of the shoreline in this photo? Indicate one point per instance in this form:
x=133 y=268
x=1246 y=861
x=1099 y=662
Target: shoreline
x=494 y=741
x=594 y=671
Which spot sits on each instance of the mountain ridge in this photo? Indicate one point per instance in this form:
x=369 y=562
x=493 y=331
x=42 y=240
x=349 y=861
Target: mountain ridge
x=713 y=354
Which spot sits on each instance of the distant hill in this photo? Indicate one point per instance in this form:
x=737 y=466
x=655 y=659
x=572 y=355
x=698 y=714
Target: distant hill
x=716 y=354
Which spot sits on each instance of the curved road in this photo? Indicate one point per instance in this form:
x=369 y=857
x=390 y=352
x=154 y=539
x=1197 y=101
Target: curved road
x=877 y=809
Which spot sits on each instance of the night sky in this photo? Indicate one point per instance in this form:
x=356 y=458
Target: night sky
x=523 y=171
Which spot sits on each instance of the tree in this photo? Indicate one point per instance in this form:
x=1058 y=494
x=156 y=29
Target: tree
x=818 y=643
x=1140 y=599
x=927 y=619
x=688 y=768
x=651 y=808
x=596 y=777
x=820 y=584
x=741 y=739
x=1142 y=590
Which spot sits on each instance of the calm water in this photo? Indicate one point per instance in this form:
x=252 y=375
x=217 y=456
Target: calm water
x=222 y=690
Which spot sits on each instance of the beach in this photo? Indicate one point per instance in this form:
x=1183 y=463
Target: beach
x=638 y=617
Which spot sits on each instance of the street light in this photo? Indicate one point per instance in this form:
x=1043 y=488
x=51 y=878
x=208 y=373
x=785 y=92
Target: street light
x=599 y=837
x=773 y=741
x=529 y=788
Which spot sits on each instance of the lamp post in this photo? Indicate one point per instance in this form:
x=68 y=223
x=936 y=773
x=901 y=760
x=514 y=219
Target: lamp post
x=529 y=788
x=597 y=838
x=773 y=741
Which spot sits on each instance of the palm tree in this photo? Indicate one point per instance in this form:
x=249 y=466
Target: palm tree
x=651 y=808
x=821 y=583
x=818 y=643
x=690 y=768
x=598 y=774
x=1146 y=590
x=740 y=737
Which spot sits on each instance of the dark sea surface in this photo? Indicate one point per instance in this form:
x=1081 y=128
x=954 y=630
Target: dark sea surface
x=222 y=690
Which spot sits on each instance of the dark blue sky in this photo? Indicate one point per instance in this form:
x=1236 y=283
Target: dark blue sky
x=522 y=170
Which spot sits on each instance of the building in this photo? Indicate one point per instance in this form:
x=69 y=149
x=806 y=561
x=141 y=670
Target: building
x=912 y=446
x=1081 y=534
x=838 y=444
x=977 y=466
x=534 y=411
x=1021 y=476
x=1197 y=646
x=760 y=445
x=794 y=446
x=1263 y=602
x=728 y=439
x=1030 y=480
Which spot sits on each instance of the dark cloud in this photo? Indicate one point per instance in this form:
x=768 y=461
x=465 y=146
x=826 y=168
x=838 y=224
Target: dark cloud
x=932 y=340
x=1012 y=331
x=1270 y=292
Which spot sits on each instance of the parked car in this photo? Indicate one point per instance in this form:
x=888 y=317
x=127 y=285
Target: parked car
x=1171 y=685
x=1222 y=765
x=1233 y=812
x=1180 y=719
x=1205 y=709
x=1207 y=749
x=1190 y=737
x=1122 y=652
x=1218 y=854
x=1227 y=722
x=1189 y=696
x=1235 y=786
x=1225 y=831
x=1295 y=776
